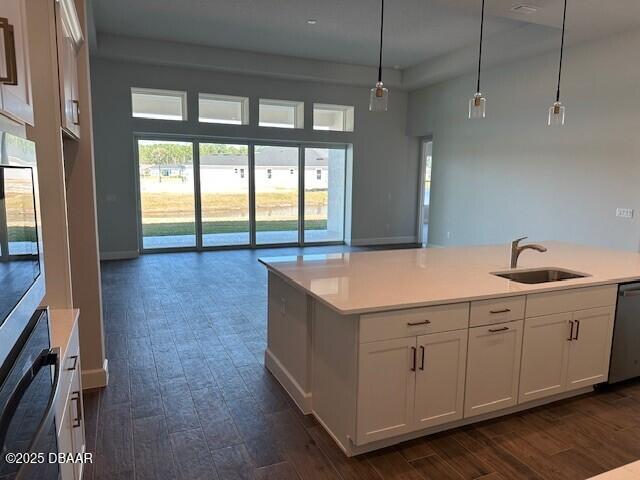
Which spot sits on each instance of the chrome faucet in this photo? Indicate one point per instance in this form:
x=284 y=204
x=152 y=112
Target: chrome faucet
x=516 y=250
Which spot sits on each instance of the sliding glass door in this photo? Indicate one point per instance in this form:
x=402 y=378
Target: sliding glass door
x=224 y=194
x=208 y=194
x=167 y=202
x=324 y=188
x=277 y=194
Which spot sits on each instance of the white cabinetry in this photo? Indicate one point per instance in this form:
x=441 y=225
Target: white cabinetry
x=386 y=388
x=493 y=367
x=70 y=38
x=440 y=370
x=15 y=75
x=567 y=350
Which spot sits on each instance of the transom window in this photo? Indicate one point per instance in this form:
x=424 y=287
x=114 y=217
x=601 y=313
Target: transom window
x=281 y=113
x=337 y=118
x=223 y=109
x=158 y=104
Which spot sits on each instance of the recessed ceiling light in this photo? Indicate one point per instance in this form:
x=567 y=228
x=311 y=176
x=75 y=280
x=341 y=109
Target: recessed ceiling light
x=524 y=9
x=312 y=21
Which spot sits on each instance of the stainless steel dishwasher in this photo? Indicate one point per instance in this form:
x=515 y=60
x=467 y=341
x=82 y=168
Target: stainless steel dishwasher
x=625 y=354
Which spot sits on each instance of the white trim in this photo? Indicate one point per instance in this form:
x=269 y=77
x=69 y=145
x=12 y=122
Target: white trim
x=124 y=255
x=363 y=242
x=96 y=378
x=293 y=388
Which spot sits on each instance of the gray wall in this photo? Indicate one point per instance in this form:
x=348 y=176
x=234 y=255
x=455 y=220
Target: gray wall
x=385 y=161
x=510 y=175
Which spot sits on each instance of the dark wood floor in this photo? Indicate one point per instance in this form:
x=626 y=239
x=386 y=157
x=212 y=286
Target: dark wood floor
x=189 y=397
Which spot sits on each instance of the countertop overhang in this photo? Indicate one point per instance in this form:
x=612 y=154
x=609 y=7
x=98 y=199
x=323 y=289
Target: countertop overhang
x=363 y=282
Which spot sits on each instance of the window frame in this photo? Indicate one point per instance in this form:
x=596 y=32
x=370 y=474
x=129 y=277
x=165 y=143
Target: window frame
x=244 y=107
x=181 y=94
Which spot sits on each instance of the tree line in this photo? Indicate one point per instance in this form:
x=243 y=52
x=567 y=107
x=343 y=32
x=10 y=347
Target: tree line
x=181 y=153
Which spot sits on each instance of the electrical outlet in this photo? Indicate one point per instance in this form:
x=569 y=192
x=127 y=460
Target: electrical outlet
x=624 y=212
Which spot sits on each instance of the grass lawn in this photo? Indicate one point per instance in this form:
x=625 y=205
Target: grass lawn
x=188 y=228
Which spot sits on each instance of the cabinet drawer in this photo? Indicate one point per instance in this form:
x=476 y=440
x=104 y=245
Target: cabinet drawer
x=69 y=366
x=496 y=310
x=539 y=304
x=413 y=321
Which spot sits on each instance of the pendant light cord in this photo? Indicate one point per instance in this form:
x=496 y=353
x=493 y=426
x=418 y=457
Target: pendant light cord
x=480 y=52
x=381 y=28
x=564 y=19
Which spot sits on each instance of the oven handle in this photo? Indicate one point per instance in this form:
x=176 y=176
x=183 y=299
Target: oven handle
x=46 y=358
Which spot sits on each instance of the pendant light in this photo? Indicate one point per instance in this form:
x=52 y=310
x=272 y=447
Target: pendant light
x=379 y=96
x=478 y=104
x=556 y=112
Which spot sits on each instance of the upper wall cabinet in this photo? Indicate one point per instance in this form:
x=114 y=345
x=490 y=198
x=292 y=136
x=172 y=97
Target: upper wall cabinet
x=70 y=39
x=15 y=78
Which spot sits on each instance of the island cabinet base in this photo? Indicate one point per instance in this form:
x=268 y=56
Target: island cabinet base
x=378 y=379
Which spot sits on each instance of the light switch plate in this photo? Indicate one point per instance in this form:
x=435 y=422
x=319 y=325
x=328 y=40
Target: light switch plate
x=624 y=212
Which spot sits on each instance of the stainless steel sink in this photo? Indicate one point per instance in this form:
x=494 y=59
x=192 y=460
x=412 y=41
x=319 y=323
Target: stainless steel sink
x=540 y=275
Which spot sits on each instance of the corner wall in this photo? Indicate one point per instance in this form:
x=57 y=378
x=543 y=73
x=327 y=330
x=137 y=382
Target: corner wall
x=510 y=175
x=385 y=161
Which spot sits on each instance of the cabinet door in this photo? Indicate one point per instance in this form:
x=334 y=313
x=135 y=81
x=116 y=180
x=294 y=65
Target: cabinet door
x=16 y=92
x=76 y=412
x=590 y=349
x=65 y=442
x=66 y=23
x=386 y=386
x=545 y=351
x=440 y=372
x=493 y=367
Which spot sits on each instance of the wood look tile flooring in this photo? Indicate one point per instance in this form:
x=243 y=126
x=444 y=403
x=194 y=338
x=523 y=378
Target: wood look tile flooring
x=189 y=397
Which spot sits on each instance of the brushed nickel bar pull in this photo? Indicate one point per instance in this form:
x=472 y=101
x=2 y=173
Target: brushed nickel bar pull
x=11 y=64
x=75 y=363
x=494 y=330
x=577 y=330
x=571 y=332
x=413 y=351
x=422 y=362
x=504 y=310
x=76 y=104
x=413 y=324
x=78 y=420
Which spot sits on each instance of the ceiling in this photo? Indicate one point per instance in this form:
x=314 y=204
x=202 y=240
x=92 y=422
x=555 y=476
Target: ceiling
x=416 y=31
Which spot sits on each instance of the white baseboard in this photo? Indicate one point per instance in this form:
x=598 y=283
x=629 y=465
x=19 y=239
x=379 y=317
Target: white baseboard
x=293 y=388
x=125 y=255
x=363 y=242
x=96 y=378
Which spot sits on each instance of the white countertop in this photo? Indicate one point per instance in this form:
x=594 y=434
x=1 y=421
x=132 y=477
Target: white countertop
x=362 y=282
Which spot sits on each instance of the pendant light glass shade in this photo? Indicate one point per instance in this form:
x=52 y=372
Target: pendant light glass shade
x=379 y=98
x=556 y=115
x=478 y=103
x=379 y=95
x=477 y=106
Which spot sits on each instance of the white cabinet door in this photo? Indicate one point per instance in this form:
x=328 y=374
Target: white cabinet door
x=65 y=442
x=440 y=372
x=590 y=349
x=70 y=38
x=493 y=367
x=14 y=61
x=76 y=412
x=545 y=352
x=386 y=386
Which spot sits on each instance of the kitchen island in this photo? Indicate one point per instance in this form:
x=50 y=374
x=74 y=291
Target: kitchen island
x=386 y=346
